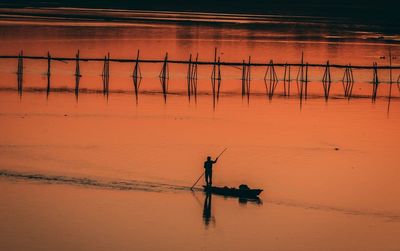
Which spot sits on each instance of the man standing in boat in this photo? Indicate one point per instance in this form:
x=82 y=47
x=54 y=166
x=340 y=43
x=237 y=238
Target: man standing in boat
x=208 y=164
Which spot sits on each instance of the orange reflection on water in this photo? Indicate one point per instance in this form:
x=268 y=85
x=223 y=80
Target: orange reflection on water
x=331 y=166
x=279 y=42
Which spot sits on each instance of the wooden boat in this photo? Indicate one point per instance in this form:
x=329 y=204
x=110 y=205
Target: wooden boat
x=242 y=192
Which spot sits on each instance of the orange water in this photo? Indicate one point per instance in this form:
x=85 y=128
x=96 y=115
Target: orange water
x=315 y=197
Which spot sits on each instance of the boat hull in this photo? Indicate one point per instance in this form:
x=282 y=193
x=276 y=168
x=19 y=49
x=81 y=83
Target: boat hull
x=233 y=192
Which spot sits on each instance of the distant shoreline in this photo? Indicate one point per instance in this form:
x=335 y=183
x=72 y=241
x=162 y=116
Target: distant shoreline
x=52 y=15
x=363 y=12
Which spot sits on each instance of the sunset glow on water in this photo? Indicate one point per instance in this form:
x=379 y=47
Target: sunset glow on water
x=97 y=173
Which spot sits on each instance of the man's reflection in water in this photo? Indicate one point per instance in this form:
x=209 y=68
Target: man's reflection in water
x=207 y=216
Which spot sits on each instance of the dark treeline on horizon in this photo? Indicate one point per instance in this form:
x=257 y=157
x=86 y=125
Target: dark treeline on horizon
x=379 y=12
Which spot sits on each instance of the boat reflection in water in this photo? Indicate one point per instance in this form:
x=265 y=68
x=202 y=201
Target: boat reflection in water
x=207 y=209
x=244 y=201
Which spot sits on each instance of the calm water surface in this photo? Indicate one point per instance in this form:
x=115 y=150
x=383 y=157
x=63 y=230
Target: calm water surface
x=103 y=174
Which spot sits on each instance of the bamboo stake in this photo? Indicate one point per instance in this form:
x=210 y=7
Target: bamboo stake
x=243 y=78
x=77 y=75
x=306 y=83
x=284 y=80
x=103 y=75
x=275 y=76
x=248 y=79
x=164 y=77
x=301 y=77
x=390 y=80
x=106 y=75
x=215 y=76
x=20 y=73
x=189 y=77
x=266 y=78
x=390 y=74
x=326 y=81
x=289 y=80
x=375 y=82
x=343 y=80
x=194 y=78
x=137 y=77
x=270 y=79
x=213 y=73
x=219 y=77
x=271 y=84
x=48 y=73
x=351 y=82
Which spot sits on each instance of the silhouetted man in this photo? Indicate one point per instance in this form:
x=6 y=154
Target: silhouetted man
x=208 y=164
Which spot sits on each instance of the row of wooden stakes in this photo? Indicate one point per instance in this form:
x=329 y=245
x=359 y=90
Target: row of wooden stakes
x=271 y=79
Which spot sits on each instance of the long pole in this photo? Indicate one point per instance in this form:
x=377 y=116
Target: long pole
x=197 y=180
x=204 y=172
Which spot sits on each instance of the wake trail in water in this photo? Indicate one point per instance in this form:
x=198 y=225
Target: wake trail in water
x=90 y=182
x=389 y=216
x=137 y=185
